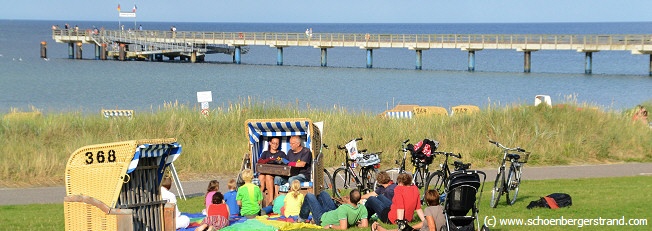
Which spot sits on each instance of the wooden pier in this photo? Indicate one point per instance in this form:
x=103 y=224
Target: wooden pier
x=195 y=45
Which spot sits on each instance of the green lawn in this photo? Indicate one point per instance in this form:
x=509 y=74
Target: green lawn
x=607 y=198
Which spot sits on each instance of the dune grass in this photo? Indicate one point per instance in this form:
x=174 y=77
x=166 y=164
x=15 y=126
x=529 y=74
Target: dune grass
x=594 y=198
x=36 y=149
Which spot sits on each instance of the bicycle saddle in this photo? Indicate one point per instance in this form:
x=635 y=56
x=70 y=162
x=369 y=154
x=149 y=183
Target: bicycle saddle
x=514 y=156
x=459 y=165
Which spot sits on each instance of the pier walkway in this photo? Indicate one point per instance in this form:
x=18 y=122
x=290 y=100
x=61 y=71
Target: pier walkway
x=194 y=45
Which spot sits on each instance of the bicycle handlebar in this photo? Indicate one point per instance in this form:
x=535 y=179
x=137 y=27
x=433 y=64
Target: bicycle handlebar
x=342 y=147
x=458 y=155
x=406 y=141
x=518 y=149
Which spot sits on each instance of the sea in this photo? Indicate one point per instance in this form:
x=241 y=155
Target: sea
x=619 y=82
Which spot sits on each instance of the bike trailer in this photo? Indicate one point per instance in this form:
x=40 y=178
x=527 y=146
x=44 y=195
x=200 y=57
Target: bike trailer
x=116 y=186
x=260 y=132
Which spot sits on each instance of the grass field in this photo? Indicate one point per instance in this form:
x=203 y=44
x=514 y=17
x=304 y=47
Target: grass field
x=593 y=198
x=36 y=147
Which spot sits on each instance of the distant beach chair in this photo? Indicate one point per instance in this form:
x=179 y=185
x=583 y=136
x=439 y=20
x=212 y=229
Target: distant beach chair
x=113 y=114
x=464 y=109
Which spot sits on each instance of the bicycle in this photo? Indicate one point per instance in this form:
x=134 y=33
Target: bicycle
x=365 y=179
x=439 y=179
x=420 y=168
x=513 y=155
x=422 y=177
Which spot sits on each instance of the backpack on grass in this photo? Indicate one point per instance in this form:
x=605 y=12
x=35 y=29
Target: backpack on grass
x=552 y=201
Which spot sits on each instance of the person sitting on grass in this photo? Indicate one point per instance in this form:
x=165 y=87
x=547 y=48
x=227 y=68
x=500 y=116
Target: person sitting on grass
x=229 y=198
x=294 y=201
x=213 y=186
x=249 y=197
x=381 y=198
x=329 y=216
x=217 y=214
x=182 y=221
x=434 y=214
x=405 y=202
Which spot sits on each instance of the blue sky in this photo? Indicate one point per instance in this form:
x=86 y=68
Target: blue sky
x=337 y=11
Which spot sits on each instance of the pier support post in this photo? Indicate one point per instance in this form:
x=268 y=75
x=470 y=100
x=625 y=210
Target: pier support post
x=527 y=60
x=71 y=50
x=97 y=51
x=419 y=64
x=103 y=51
x=370 y=58
x=79 y=50
x=279 y=56
x=236 y=55
x=44 y=50
x=588 y=63
x=650 y=65
x=122 y=52
x=471 y=60
x=324 y=57
x=193 y=57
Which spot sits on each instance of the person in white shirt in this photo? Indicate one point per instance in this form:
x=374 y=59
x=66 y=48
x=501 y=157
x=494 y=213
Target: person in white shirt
x=182 y=221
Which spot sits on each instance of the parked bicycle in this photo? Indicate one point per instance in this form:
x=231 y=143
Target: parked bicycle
x=422 y=177
x=502 y=186
x=439 y=179
x=345 y=177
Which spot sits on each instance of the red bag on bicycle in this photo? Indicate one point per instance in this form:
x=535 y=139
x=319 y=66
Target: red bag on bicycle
x=423 y=151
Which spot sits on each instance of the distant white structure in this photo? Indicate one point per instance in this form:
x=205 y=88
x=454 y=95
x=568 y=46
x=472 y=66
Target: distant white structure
x=542 y=99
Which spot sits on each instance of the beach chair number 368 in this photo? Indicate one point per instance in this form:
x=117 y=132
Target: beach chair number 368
x=100 y=157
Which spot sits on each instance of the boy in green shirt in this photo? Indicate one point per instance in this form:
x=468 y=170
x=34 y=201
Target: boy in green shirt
x=326 y=214
x=249 y=197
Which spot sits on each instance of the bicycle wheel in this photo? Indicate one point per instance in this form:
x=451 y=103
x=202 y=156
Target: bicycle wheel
x=368 y=179
x=420 y=177
x=343 y=181
x=328 y=180
x=513 y=181
x=498 y=188
x=436 y=182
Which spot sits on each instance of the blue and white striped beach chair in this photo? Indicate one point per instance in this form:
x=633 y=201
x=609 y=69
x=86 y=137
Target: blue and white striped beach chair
x=260 y=131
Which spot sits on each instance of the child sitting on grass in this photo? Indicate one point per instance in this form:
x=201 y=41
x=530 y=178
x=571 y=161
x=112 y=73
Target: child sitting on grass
x=217 y=214
x=249 y=197
x=279 y=201
x=293 y=200
x=229 y=198
x=213 y=187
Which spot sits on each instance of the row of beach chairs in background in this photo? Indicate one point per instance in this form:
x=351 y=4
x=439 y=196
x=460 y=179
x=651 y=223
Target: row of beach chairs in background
x=409 y=111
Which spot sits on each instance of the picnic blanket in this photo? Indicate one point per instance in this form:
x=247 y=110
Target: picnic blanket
x=260 y=223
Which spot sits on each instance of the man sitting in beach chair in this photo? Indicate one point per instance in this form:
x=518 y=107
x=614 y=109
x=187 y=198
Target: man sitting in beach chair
x=298 y=157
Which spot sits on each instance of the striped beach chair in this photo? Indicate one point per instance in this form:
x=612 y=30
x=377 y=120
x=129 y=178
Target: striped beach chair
x=260 y=131
x=116 y=186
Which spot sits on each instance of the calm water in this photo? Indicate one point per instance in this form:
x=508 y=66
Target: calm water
x=620 y=79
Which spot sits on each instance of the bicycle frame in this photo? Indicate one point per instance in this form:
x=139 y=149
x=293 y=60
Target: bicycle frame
x=349 y=174
x=443 y=173
x=501 y=185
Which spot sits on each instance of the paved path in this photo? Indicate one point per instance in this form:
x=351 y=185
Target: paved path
x=49 y=195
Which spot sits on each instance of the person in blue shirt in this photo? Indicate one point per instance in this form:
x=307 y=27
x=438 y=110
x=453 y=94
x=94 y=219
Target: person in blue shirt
x=229 y=198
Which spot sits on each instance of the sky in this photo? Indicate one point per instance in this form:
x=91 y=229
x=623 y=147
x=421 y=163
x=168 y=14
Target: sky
x=336 y=11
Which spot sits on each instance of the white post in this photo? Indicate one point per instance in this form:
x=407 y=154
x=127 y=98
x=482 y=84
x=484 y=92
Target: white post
x=177 y=182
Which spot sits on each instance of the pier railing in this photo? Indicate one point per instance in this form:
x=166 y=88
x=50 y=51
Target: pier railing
x=641 y=43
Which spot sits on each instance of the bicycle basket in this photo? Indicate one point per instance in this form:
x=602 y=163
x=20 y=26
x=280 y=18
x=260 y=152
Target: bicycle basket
x=368 y=160
x=524 y=159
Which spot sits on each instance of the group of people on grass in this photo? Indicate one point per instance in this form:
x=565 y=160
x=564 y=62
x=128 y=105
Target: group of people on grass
x=392 y=203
